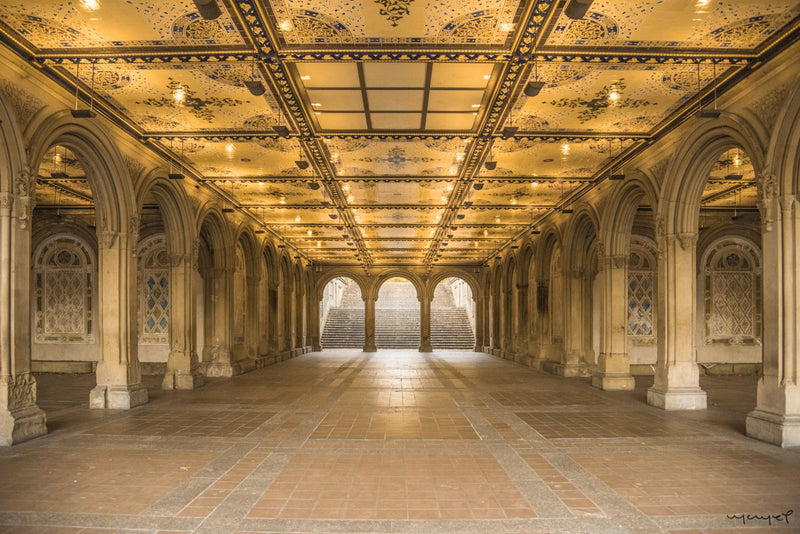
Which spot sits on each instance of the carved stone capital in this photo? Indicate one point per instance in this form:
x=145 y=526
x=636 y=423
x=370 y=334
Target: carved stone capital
x=195 y=254
x=687 y=240
x=767 y=193
x=107 y=238
x=25 y=182
x=615 y=261
x=6 y=200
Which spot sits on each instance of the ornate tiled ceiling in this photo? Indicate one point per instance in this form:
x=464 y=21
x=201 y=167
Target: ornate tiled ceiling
x=397 y=106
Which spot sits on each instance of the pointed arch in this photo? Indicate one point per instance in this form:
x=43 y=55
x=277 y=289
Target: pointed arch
x=616 y=222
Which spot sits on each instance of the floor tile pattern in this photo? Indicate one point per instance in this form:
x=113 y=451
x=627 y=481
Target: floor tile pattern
x=397 y=441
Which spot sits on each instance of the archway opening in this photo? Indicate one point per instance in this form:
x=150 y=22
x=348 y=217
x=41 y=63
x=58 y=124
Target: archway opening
x=397 y=316
x=341 y=315
x=728 y=289
x=452 y=316
x=65 y=314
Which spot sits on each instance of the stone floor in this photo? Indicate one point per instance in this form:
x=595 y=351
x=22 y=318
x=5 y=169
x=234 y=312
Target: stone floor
x=397 y=441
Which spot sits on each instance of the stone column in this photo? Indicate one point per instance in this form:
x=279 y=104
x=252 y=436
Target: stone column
x=20 y=417
x=572 y=362
x=480 y=309
x=274 y=341
x=183 y=367
x=520 y=336
x=313 y=324
x=369 y=324
x=677 y=379
x=613 y=365
x=776 y=417
x=119 y=376
x=425 y=325
x=218 y=349
x=251 y=318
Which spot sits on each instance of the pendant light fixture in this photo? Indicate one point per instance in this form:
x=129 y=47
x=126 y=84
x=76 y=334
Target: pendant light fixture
x=709 y=113
x=254 y=85
x=83 y=113
x=176 y=175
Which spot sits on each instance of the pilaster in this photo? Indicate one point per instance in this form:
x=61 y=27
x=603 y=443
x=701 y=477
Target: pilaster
x=677 y=377
x=183 y=367
x=613 y=364
x=776 y=418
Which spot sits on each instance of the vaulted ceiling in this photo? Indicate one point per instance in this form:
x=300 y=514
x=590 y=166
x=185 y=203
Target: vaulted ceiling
x=396 y=105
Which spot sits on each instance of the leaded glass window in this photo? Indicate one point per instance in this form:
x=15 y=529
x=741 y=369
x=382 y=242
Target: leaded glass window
x=641 y=292
x=154 y=267
x=64 y=271
x=732 y=293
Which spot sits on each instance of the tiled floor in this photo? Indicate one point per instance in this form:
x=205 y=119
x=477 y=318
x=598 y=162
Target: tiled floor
x=398 y=441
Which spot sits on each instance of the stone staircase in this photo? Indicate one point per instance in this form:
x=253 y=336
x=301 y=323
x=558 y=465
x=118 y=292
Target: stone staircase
x=397 y=321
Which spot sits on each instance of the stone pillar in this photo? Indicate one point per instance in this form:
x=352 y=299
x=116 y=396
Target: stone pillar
x=521 y=333
x=251 y=318
x=425 y=325
x=480 y=309
x=613 y=365
x=183 y=367
x=119 y=376
x=299 y=309
x=274 y=341
x=572 y=362
x=776 y=417
x=290 y=325
x=20 y=417
x=677 y=378
x=218 y=350
x=313 y=324
x=369 y=324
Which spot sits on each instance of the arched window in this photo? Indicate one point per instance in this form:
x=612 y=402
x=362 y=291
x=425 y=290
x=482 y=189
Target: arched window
x=732 y=292
x=154 y=290
x=641 y=292
x=64 y=271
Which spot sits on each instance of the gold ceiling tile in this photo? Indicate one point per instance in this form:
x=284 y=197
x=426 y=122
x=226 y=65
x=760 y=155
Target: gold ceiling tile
x=335 y=100
x=450 y=121
x=461 y=75
x=395 y=100
x=394 y=74
x=457 y=100
x=332 y=74
x=342 y=121
x=396 y=121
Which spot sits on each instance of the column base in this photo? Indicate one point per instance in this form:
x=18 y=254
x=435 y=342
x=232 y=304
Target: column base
x=114 y=397
x=692 y=398
x=220 y=370
x=613 y=382
x=425 y=347
x=370 y=347
x=570 y=370
x=182 y=380
x=21 y=425
x=781 y=430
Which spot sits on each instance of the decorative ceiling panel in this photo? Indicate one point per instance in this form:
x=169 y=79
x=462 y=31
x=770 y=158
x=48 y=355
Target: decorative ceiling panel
x=280 y=216
x=487 y=235
x=395 y=22
x=116 y=24
x=267 y=157
x=376 y=157
x=260 y=193
x=390 y=216
x=498 y=217
x=675 y=23
x=398 y=232
x=396 y=192
x=532 y=194
x=193 y=97
x=561 y=159
x=608 y=98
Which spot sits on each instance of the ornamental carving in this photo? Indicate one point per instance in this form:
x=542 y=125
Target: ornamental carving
x=135 y=169
x=25 y=105
x=21 y=391
x=768 y=106
x=394 y=10
x=767 y=193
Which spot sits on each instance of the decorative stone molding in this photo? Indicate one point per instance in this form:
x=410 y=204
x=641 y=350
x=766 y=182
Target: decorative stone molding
x=687 y=239
x=107 y=238
x=6 y=200
x=614 y=261
x=767 y=193
x=25 y=182
x=659 y=169
x=21 y=391
x=25 y=105
x=768 y=106
x=195 y=254
x=135 y=169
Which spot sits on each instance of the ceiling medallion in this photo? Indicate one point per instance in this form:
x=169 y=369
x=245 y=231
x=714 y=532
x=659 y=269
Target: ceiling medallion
x=394 y=10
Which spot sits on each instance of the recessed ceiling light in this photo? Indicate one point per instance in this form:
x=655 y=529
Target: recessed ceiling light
x=305 y=77
x=486 y=76
x=179 y=95
x=286 y=25
x=90 y=5
x=316 y=104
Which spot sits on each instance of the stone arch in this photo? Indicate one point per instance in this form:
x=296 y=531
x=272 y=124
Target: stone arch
x=175 y=207
x=679 y=207
x=581 y=234
x=212 y=228
x=616 y=222
x=467 y=277
x=322 y=281
x=244 y=235
x=783 y=152
x=106 y=171
x=12 y=151
x=550 y=238
x=415 y=280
